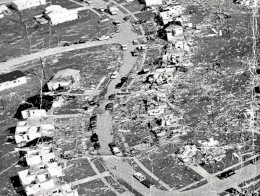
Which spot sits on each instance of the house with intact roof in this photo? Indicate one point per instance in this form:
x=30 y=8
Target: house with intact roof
x=25 y=4
x=12 y=79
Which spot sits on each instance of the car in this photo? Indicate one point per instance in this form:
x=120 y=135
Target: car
x=94 y=138
x=104 y=37
x=255 y=160
x=112 y=97
x=114 y=75
x=147 y=183
x=139 y=176
x=82 y=41
x=134 y=53
x=115 y=150
x=113 y=35
x=226 y=174
x=66 y=44
x=124 y=47
x=109 y=106
x=103 y=20
x=101 y=9
x=124 y=92
x=232 y=190
x=116 y=22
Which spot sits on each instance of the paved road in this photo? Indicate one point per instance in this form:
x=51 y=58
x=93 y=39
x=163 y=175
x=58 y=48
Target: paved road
x=88 y=179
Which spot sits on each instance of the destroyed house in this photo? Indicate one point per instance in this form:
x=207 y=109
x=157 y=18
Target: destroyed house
x=64 y=79
x=57 y=14
x=25 y=4
x=112 y=9
x=12 y=79
x=60 y=190
x=152 y=2
x=33 y=113
x=41 y=159
x=173 y=31
x=187 y=153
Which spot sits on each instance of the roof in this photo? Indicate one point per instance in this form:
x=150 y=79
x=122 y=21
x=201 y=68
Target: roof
x=11 y=76
x=66 y=74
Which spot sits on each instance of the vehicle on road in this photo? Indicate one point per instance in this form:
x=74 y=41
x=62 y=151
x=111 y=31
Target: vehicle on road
x=94 y=138
x=66 y=44
x=139 y=176
x=147 y=183
x=115 y=150
x=94 y=101
x=114 y=75
x=226 y=174
x=124 y=92
x=116 y=22
x=135 y=53
x=124 y=47
x=104 y=37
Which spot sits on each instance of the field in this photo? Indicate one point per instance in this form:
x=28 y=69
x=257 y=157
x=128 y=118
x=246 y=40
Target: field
x=115 y=184
x=80 y=169
x=29 y=37
x=145 y=15
x=133 y=6
x=95 y=187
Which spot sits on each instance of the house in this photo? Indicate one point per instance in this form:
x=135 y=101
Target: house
x=57 y=14
x=61 y=190
x=25 y=4
x=152 y=2
x=64 y=79
x=166 y=72
x=173 y=31
x=3 y=9
x=33 y=113
x=112 y=9
x=40 y=159
x=208 y=144
x=187 y=153
x=169 y=13
x=25 y=134
x=12 y=79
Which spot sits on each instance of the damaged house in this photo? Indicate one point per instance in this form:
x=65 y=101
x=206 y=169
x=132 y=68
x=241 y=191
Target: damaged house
x=26 y=134
x=25 y=4
x=174 y=32
x=64 y=79
x=33 y=113
x=40 y=178
x=12 y=79
x=169 y=13
x=57 y=14
x=152 y=2
x=187 y=152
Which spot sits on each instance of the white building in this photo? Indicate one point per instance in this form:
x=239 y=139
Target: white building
x=66 y=79
x=25 y=4
x=170 y=13
x=57 y=14
x=40 y=159
x=174 y=31
x=12 y=79
x=153 y=2
x=33 y=113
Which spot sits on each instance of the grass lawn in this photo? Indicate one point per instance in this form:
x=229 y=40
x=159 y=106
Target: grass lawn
x=66 y=4
x=99 y=165
x=151 y=55
x=115 y=184
x=145 y=15
x=95 y=187
x=120 y=1
x=80 y=169
x=134 y=6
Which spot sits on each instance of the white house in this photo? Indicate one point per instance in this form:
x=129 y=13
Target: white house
x=33 y=113
x=57 y=14
x=3 y=8
x=173 y=31
x=25 y=4
x=66 y=79
x=12 y=79
x=153 y=2
x=170 y=13
x=40 y=159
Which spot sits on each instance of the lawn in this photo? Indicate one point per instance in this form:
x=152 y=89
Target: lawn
x=145 y=15
x=15 y=42
x=115 y=184
x=80 y=169
x=134 y=6
x=98 y=163
x=66 y=4
x=151 y=55
x=95 y=187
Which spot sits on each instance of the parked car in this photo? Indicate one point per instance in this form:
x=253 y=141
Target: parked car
x=112 y=97
x=140 y=177
x=103 y=20
x=66 y=44
x=226 y=174
x=113 y=35
x=115 y=150
x=109 y=106
x=104 y=37
x=114 y=75
x=135 y=42
x=116 y=22
x=101 y=9
x=82 y=41
x=127 y=18
x=255 y=160
x=124 y=47
x=147 y=183
x=135 y=53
